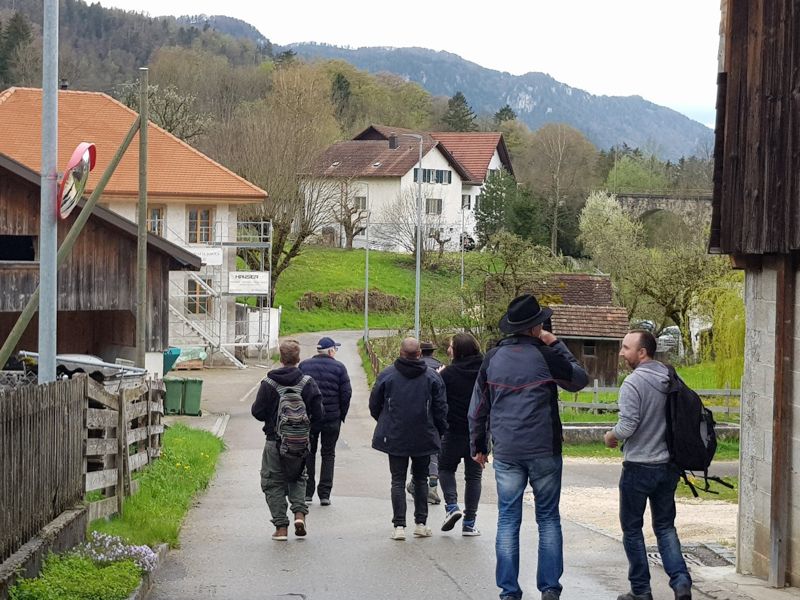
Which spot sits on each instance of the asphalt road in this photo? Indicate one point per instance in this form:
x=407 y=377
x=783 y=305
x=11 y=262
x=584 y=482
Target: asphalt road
x=226 y=551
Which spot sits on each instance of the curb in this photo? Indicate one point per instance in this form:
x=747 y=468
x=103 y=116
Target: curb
x=141 y=591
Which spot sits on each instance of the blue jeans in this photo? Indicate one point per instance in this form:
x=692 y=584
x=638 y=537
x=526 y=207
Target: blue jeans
x=544 y=475
x=639 y=483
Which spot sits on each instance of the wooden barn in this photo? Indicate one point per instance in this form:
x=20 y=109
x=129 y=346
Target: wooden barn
x=756 y=220
x=96 y=284
x=586 y=319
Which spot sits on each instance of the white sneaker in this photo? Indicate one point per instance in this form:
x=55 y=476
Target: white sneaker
x=422 y=530
x=399 y=534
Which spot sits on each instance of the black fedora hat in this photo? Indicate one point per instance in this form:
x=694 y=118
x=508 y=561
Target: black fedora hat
x=524 y=313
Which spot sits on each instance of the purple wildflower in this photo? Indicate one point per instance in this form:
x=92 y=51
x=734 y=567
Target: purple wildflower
x=103 y=549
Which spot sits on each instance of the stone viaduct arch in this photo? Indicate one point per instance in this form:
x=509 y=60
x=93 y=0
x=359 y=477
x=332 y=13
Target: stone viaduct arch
x=690 y=207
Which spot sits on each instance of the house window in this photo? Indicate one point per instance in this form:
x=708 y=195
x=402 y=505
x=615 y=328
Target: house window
x=477 y=204
x=444 y=176
x=589 y=348
x=433 y=176
x=18 y=248
x=360 y=202
x=466 y=202
x=155 y=219
x=198 y=301
x=433 y=206
x=200 y=226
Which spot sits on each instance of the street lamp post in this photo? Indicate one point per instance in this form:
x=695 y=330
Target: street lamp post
x=366 y=282
x=419 y=232
x=462 y=242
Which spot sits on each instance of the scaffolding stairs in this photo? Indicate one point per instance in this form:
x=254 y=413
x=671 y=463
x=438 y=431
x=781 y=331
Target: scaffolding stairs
x=207 y=336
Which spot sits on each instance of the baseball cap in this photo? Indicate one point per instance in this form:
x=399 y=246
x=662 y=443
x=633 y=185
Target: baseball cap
x=326 y=342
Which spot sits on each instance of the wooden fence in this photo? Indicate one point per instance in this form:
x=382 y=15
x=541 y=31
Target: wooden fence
x=373 y=358
x=41 y=458
x=60 y=440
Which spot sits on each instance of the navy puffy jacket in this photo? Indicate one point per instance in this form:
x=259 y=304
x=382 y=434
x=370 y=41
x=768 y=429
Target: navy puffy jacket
x=334 y=384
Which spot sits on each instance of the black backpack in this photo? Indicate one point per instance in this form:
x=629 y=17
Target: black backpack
x=691 y=437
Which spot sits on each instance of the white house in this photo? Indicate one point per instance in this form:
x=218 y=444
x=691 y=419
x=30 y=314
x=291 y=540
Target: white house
x=193 y=202
x=379 y=168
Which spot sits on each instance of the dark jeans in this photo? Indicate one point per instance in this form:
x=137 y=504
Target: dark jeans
x=398 y=465
x=454 y=449
x=329 y=435
x=639 y=483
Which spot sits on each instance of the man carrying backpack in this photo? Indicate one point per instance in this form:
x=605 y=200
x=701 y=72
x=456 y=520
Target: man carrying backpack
x=647 y=473
x=290 y=404
x=334 y=383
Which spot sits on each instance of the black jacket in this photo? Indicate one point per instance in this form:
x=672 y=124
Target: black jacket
x=432 y=362
x=459 y=380
x=408 y=402
x=334 y=384
x=265 y=407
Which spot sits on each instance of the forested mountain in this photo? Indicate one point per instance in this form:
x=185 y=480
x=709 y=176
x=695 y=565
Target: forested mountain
x=536 y=98
x=101 y=47
x=227 y=25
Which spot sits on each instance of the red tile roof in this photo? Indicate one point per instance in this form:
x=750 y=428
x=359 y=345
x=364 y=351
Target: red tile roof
x=609 y=322
x=175 y=169
x=370 y=158
x=474 y=150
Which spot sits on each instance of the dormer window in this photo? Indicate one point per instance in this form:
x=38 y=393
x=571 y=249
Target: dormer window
x=335 y=164
x=376 y=164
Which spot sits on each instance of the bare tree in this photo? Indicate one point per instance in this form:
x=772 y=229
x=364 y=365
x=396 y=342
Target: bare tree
x=559 y=164
x=270 y=143
x=397 y=223
x=350 y=210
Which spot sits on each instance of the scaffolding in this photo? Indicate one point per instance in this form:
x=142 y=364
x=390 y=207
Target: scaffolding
x=222 y=309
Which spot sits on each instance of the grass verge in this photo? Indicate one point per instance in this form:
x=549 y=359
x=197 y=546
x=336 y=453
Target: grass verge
x=718 y=492
x=155 y=513
x=70 y=577
x=726 y=450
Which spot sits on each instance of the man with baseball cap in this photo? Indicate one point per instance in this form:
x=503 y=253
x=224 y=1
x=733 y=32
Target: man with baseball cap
x=334 y=384
x=515 y=402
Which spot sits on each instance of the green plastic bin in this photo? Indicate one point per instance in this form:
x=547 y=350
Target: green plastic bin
x=191 y=397
x=174 y=397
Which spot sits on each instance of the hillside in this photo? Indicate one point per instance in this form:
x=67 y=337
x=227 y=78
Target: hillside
x=537 y=98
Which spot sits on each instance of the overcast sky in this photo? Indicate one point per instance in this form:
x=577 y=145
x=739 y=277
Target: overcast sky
x=663 y=50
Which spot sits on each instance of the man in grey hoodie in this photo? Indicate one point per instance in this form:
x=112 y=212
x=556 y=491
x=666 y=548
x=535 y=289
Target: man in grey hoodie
x=646 y=471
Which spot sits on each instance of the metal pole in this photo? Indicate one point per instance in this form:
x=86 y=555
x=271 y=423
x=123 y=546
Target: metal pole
x=48 y=221
x=462 y=243
x=419 y=241
x=366 y=286
x=66 y=246
x=141 y=248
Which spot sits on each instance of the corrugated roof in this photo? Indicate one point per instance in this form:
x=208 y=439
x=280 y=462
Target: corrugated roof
x=610 y=322
x=175 y=169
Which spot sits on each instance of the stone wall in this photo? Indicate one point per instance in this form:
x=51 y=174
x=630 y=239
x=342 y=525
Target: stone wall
x=756 y=434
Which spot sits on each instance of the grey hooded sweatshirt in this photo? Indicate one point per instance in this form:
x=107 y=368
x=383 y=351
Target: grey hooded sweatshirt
x=642 y=414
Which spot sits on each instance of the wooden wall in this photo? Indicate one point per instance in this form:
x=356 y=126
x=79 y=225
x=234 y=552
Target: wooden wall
x=603 y=366
x=99 y=275
x=756 y=208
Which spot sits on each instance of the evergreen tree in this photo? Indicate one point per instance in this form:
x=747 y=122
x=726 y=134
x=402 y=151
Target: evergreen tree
x=340 y=95
x=504 y=114
x=491 y=212
x=459 y=115
x=3 y=58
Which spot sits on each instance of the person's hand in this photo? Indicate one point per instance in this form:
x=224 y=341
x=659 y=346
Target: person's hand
x=481 y=459
x=440 y=368
x=547 y=337
x=610 y=439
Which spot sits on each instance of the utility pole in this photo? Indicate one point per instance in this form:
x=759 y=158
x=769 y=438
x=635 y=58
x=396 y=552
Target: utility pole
x=141 y=248
x=366 y=284
x=48 y=221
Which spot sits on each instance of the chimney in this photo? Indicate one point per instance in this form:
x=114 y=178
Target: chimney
x=392 y=141
x=64 y=84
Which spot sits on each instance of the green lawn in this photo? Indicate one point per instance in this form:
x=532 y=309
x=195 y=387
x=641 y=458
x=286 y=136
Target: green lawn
x=717 y=491
x=332 y=269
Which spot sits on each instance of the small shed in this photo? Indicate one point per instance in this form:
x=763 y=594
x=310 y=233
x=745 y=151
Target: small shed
x=593 y=334
x=97 y=282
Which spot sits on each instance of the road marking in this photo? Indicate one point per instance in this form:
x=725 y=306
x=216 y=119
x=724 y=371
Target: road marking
x=252 y=389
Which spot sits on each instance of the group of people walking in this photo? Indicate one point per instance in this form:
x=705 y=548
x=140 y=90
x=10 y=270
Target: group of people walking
x=503 y=404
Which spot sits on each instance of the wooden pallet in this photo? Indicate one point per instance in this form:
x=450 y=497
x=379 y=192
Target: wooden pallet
x=189 y=365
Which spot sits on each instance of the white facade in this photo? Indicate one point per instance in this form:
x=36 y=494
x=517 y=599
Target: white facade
x=201 y=314
x=383 y=193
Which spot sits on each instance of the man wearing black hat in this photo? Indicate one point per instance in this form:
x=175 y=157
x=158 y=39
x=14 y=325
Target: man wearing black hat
x=334 y=384
x=515 y=401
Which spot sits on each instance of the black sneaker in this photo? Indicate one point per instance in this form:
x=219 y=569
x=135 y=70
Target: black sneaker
x=683 y=594
x=325 y=501
x=309 y=499
x=550 y=595
x=632 y=596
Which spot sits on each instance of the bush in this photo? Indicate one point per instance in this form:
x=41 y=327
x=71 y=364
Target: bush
x=353 y=301
x=73 y=577
x=105 y=549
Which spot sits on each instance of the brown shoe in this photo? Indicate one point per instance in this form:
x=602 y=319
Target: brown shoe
x=299 y=524
x=281 y=534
